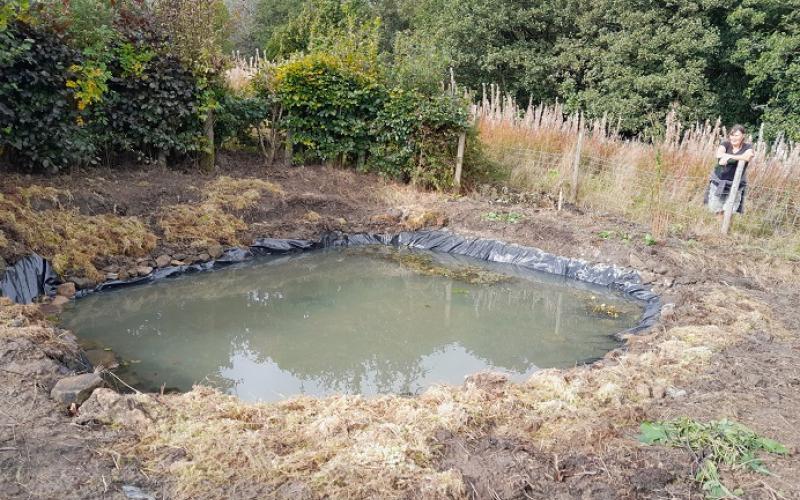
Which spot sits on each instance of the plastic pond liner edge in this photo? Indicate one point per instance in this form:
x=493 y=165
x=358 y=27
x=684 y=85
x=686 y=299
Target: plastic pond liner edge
x=33 y=276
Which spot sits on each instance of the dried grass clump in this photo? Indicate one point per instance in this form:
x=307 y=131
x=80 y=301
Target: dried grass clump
x=35 y=193
x=199 y=225
x=72 y=241
x=209 y=222
x=25 y=326
x=238 y=194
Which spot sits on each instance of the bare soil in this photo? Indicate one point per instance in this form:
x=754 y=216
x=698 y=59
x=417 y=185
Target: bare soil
x=44 y=453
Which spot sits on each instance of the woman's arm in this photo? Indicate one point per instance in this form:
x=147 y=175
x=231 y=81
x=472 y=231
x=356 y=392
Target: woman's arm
x=722 y=156
x=746 y=156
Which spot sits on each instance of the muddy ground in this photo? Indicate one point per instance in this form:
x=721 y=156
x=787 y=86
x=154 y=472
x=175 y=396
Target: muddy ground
x=45 y=453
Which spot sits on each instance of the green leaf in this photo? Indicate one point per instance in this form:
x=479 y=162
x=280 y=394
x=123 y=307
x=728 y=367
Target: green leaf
x=652 y=432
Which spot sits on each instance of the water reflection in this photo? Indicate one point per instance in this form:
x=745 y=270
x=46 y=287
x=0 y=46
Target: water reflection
x=341 y=321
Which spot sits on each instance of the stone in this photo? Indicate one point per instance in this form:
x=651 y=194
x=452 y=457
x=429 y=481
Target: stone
x=144 y=270
x=76 y=389
x=109 y=407
x=674 y=392
x=175 y=262
x=647 y=277
x=204 y=257
x=635 y=262
x=494 y=382
x=660 y=268
x=102 y=358
x=163 y=260
x=59 y=300
x=180 y=256
x=82 y=283
x=668 y=311
x=135 y=493
x=113 y=276
x=392 y=216
x=215 y=251
x=3 y=265
x=66 y=289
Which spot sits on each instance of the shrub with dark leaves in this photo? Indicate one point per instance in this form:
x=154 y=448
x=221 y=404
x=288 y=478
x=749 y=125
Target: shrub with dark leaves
x=40 y=125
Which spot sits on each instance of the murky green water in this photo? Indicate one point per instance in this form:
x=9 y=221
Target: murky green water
x=357 y=321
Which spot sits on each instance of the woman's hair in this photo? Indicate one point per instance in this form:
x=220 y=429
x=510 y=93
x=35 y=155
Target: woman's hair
x=737 y=128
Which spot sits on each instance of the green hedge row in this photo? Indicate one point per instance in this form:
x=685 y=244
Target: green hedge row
x=62 y=105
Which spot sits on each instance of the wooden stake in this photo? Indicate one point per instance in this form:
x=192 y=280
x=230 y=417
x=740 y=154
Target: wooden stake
x=462 y=142
x=732 y=195
x=287 y=160
x=207 y=158
x=576 y=164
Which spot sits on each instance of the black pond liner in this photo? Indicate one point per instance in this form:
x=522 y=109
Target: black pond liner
x=33 y=276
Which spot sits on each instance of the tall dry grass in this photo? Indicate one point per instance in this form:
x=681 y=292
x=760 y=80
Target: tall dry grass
x=658 y=181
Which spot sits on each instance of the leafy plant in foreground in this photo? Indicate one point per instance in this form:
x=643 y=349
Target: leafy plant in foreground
x=713 y=444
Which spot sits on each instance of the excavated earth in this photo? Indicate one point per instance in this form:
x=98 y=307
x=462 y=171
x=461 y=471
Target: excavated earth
x=752 y=375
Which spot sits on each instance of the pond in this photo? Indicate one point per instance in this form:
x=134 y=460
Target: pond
x=362 y=320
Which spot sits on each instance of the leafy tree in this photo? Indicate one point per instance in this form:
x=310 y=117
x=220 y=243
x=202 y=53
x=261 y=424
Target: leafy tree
x=765 y=36
x=634 y=59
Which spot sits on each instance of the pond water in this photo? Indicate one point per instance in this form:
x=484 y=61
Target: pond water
x=357 y=321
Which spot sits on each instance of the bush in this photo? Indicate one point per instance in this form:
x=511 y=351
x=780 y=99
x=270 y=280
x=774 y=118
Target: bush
x=328 y=107
x=237 y=116
x=40 y=124
x=150 y=111
x=415 y=138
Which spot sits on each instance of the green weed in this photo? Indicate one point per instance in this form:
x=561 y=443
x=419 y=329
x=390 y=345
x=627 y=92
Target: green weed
x=507 y=217
x=713 y=444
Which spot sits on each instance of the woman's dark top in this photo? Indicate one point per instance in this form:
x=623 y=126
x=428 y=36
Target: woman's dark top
x=727 y=172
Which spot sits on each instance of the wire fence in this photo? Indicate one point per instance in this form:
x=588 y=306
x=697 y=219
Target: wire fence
x=668 y=200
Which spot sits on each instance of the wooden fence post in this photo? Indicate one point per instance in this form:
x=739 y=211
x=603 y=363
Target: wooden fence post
x=289 y=153
x=731 y=200
x=462 y=142
x=576 y=163
x=208 y=157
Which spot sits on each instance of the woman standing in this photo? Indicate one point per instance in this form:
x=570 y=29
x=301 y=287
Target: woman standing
x=729 y=154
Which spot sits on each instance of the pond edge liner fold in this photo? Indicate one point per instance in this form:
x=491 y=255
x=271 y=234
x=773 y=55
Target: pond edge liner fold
x=33 y=276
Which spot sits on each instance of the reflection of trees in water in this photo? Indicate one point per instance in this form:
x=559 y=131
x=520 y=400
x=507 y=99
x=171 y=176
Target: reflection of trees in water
x=316 y=317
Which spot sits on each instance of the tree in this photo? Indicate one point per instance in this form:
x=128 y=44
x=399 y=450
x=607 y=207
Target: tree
x=765 y=36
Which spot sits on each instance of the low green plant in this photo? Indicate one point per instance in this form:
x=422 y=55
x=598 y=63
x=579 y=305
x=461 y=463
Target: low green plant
x=609 y=234
x=506 y=217
x=713 y=444
x=649 y=240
